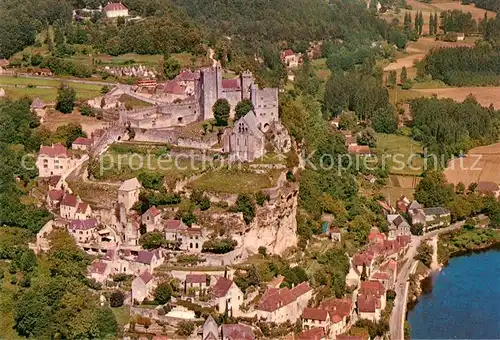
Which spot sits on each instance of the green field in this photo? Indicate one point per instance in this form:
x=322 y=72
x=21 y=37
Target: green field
x=321 y=68
x=398 y=95
x=233 y=181
x=405 y=154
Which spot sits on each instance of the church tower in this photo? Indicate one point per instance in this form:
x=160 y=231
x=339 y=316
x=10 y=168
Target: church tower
x=246 y=84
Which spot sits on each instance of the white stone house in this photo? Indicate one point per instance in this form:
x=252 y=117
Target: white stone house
x=430 y=218
x=72 y=208
x=115 y=10
x=128 y=193
x=198 y=283
x=147 y=261
x=280 y=305
x=54 y=198
x=83 y=231
x=371 y=300
x=99 y=271
x=82 y=143
x=290 y=58
x=143 y=286
x=152 y=219
x=38 y=107
x=397 y=226
x=53 y=160
x=182 y=237
x=228 y=296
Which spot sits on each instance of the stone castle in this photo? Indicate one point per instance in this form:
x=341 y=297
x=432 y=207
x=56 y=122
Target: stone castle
x=190 y=98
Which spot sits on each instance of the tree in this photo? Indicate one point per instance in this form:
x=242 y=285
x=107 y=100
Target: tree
x=417 y=229
x=460 y=188
x=185 y=328
x=171 y=67
x=242 y=108
x=424 y=253
x=105 y=89
x=163 y=293
x=245 y=205
x=433 y=191
x=116 y=299
x=404 y=75
x=65 y=99
x=152 y=240
x=385 y=120
x=391 y=79
x=221 y=110
x=367 y=137
x=347 y=121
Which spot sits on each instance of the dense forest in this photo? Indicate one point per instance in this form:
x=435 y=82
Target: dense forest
x=492 y=5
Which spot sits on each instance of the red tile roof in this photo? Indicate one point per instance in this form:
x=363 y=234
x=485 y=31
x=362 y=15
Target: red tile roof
x=196 y=278
x=153 y=211
x=340 y=307
x=487 y=187
x=362 y=259
x=83 y=141
x=56 y=195
x=300 y=289
x=83 y=224
x=222 y=286
x=70 y=201
x=98 y=267
x=230 y=84
x=173 y=87
x=386 y=206
x=175 y=225
x=56 y=150
x=82 y=208
x=273 y=299
x=146 y=257
x=237 y=332
x=116 y=6
x=146 y=276
x=359 y=149
x=374 y=288
x=313 y=334
x=349 y=337
x=187 y=75
x=380 y=276
x=376 y=236
x=314 y=314
x=287 y=53
x=368 y=303
x=53 y=180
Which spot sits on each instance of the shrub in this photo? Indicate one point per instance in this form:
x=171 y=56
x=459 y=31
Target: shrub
x=219 y=246
x=116 y=299
x=185 y=328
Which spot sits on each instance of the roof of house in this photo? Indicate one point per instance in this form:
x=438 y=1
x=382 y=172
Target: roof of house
x=312 y=334
x=375 y=235
x=98 y=267
x=110 y=254
x=173 y=87
x=196 y=278
x=380 y=276
x=385 y=205
x=81 y=207
x=368 y=303
x=399 y=220
x=130 y=185
x=221 y=287
x=359 y=149
x=237 y=332
x=187 y=75
x=146 y=257
x=362 y=259
x=287 y=53
x=53 y=180
x=435 y=211
x=83 y=224
x=153 y=211
x=175 y=225
x=414 y=205
x=82 y=141
x=314 y=314
x=146 y=276
x=373 y=288
x=230 y=84
x=349 y=337
x=487 y=187
x=114 y=6
x=56 y=150
x=38 y=104
x=391 y=264
x=273 y=299
x=210 y=328
x=56 y=195
x=70 y=200
x=340 y=307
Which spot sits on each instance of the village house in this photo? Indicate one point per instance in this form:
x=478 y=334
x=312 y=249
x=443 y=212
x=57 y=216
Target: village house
x=371 y=300
x=72 y=208
x=402 y=204
x=128 y=193
x=429 y=218
x=99 y=271
x=142 y=287
x=290 y=58
x=82 y=143
x=333 y=316
x=397 y=226
x=245 y=141
x=152 y=219
x=280 y=305
x=487 y=188
x=211 y=331
x=188 y=80
x=38 y=107
x=180 y=236
x=147 y=261
x=227 y=297
x=83 y=231
x=115 y=10
x=387 y=209
x=173 y=91
x=359 y=149
x=336 y=234
x=196 y=283
x=53 y=160
x=54 y=198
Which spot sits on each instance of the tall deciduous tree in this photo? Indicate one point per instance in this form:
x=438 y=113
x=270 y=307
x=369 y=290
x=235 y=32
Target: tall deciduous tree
x=221 y=111
x=66 y=99
x=242 y=108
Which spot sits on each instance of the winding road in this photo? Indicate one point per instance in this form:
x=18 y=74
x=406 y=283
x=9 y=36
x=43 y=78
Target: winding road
x=402 y=284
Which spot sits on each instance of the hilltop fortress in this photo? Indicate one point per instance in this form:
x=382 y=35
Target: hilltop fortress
x=190 y=97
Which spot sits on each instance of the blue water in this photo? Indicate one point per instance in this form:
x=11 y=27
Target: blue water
x=464 y=302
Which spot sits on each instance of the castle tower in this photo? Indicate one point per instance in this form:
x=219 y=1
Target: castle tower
x=246 y=84
x=210 y=89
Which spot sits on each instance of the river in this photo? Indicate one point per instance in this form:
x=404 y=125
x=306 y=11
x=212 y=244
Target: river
x=462 y=301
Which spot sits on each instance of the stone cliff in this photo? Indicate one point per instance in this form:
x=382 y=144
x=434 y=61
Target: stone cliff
x=274 y=225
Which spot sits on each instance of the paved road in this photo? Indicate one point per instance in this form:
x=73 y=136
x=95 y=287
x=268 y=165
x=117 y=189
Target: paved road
x=402 y=285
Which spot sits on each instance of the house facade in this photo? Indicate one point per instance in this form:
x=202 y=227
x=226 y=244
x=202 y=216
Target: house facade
x=53 y=160
x=143 y=286
x=83 y=231
x=115 y=10
x=128 y=193
x=82 y=144
x=180 y=236
x=227 y=296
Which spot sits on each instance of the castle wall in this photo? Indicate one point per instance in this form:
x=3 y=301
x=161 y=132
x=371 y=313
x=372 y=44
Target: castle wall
x=265 y=104
x=233 y=97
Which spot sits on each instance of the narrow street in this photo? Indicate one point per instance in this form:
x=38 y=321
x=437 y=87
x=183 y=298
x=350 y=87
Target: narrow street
x=402 y=285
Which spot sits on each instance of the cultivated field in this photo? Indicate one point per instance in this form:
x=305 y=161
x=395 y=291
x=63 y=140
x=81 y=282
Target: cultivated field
x=480 y=164
x=484 y=95
x=54 y=119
